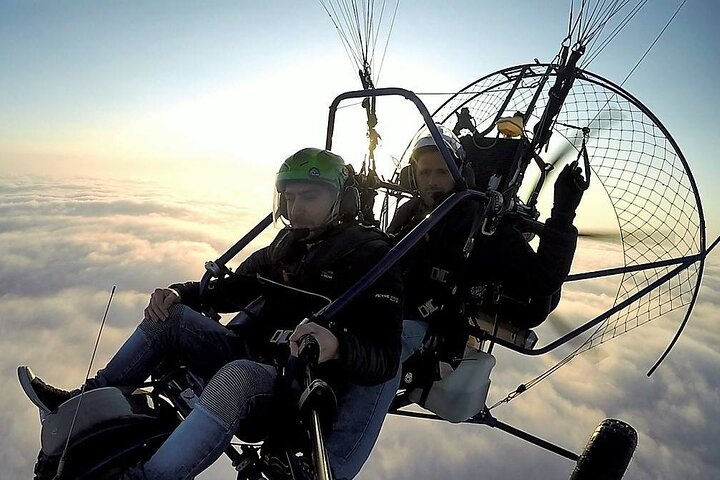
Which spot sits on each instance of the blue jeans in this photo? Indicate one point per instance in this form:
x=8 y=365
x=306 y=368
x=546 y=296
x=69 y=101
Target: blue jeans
x=199 y=342
x=239 y=398
x=413 y=334
x=204 y=435
x=362 y=410
x=208 y=347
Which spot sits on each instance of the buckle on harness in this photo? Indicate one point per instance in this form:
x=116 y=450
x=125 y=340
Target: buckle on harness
x=281 y=337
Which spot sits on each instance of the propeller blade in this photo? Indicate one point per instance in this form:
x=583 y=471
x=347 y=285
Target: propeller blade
x=600 y=235
x=604 y=121
x=565 y=150
x=560 y=325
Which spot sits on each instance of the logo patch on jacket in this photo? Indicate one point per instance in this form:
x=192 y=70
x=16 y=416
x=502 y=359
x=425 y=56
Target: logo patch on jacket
x=385 y=296
x=327 y=274
x=281 y=337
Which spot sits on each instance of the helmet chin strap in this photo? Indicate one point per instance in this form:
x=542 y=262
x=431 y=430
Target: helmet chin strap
x=301 y=234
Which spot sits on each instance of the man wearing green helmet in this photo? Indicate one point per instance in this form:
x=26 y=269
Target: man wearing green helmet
x=309 y=187
x=320 y=252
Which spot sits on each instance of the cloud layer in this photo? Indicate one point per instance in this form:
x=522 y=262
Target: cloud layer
x=63 y=245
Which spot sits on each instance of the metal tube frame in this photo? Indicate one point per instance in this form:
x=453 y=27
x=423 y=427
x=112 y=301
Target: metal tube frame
x=461 y=193
x=400 y=249
x=486 y=418
x=407 y=94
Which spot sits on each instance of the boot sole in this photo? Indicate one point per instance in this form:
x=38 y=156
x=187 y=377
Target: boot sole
x=25 y=375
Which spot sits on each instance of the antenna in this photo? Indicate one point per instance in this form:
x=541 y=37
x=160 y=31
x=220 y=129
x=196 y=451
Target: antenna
x=61 y=463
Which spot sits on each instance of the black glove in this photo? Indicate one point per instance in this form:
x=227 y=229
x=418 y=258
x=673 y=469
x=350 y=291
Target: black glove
x=569 y=188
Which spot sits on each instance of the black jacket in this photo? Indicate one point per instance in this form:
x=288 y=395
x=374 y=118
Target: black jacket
x=440 y=283
x=368 y=329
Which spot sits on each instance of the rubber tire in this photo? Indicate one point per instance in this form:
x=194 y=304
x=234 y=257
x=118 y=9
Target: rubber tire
x=608 y=452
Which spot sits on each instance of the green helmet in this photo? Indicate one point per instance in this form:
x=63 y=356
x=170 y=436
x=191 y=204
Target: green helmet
x=312 y=165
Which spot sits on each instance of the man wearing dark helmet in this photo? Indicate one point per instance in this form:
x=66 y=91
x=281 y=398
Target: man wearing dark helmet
x=438 y=277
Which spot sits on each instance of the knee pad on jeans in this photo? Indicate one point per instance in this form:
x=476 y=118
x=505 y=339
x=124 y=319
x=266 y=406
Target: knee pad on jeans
x=230 y=389
x=154 y=330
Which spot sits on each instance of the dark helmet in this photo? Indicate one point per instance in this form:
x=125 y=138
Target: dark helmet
x=426 y=142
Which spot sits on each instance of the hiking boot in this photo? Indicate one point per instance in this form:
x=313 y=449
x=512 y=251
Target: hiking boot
x=50 y=396
x=44 y=396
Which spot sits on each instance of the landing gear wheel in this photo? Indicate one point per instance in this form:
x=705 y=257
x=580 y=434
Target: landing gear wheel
x=607 y=453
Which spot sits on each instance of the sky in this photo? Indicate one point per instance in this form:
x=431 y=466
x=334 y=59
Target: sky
x=139 y=139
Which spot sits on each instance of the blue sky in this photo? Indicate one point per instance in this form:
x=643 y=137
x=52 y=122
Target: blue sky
x=197 y=102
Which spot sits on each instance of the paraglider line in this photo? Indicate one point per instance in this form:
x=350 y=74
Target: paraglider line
x=653 y=43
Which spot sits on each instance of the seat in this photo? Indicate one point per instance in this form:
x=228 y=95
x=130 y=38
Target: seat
x=246 y=317
x=494 y=161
